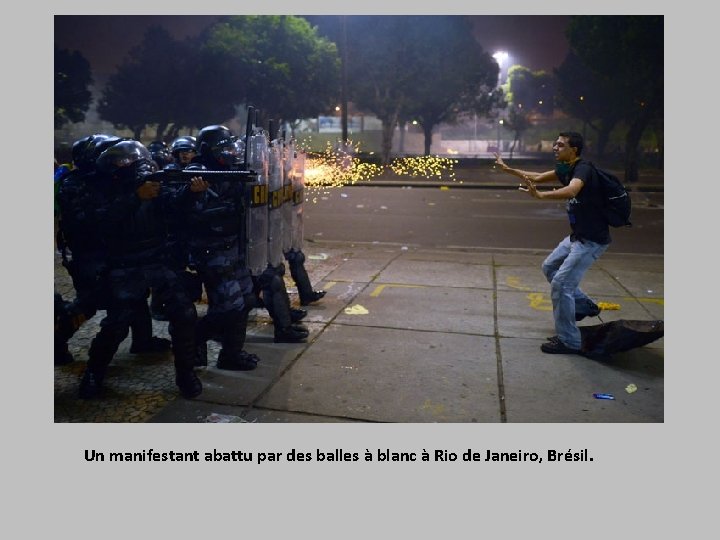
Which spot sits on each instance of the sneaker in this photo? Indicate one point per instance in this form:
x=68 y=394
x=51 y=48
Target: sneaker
x=314 y=297
x=90 y=385
x=558 y=347
x=297 y=315
x=189 y=384
x=594 y=312
x=155 y=345
x=553 y=339
x=241 y=362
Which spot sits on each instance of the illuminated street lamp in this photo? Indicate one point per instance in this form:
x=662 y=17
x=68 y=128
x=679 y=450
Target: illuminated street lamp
x=500 y=57
x=500 y=123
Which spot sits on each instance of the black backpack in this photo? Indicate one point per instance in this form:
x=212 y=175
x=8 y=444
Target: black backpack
x=616 y=204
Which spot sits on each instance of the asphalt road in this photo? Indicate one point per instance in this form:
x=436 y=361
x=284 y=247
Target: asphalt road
x=464 y=218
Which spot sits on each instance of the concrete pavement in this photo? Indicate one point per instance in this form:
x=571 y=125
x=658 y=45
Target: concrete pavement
x=405 y=335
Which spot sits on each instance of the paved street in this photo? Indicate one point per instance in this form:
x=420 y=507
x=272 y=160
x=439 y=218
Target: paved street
x=405 y=335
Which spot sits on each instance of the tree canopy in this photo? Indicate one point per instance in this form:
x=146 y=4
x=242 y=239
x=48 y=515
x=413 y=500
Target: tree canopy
x=455 y=74
x=427 y=68
x=277 y=63
x=627 y=50
x=72 y=87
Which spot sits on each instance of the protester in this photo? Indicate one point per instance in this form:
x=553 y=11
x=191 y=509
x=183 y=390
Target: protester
x=565 y=267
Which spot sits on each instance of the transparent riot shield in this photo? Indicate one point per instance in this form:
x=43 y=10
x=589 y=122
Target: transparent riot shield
x=257 y=206
x=288 y=159
x=275 y=206
x=298 y=198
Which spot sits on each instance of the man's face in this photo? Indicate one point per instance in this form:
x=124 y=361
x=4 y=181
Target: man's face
x=562 y=150
x=186 y=157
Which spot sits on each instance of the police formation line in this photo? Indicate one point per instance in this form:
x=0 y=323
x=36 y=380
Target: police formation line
x=142 y=233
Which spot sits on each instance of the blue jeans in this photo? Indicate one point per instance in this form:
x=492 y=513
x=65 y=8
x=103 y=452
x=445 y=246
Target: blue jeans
x=564 y=268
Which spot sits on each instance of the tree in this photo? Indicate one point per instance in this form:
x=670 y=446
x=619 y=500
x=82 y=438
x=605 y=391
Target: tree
x=454 y=75
x=72 y=81
x=587 y=95
x=383 y=65
x=527 y=92
x=279 y=64
x=628 y=49
x=159 y=85
x=518 y=122
x=530 y=91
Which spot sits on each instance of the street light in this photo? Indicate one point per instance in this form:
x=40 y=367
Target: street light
x=500 y=123
x=500 y=57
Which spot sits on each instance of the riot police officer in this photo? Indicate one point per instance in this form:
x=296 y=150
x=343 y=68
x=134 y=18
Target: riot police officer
x=81 y=195
x=294 y=167
x=287 y=328
x=160 y=153
x=183 y=150
x=215 y=218
x=135 y=233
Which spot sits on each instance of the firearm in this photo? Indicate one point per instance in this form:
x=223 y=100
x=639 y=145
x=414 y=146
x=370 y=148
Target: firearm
x=183 y=176
x=177 y=177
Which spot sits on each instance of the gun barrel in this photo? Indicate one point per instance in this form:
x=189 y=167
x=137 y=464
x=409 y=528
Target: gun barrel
x=184 y=176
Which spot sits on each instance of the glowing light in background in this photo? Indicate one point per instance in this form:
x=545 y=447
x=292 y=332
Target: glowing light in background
x=425 y=166
x=335 y=168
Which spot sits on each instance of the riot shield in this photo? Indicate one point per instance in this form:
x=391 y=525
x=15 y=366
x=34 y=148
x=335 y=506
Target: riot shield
x=287 y=211
x=275 y=206
x=257 y=206
x=298 y=197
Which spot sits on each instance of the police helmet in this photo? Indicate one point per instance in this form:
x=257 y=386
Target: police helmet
x=84 y=151
x=78 y=147
x=94 y=148
x=160 y=152
x=220 y=144
x=186 y=143
x=124 y=155
x=157 y=146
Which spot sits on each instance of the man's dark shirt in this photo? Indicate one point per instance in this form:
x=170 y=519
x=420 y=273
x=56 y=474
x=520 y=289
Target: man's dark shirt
x=584 y=212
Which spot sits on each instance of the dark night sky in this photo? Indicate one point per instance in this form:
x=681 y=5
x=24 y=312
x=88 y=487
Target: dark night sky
x=535 y=41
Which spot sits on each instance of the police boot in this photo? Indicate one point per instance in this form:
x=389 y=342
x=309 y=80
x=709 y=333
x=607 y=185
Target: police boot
x=99 y=357
x=231 y=356
x=62 y=355
x=63 y=331
x=295 y=333
x=296 y=262
x=188 y=383
x=208 y=327
x=142 y=339
x=280 y=311
x=184 y=347
x=90 y=384
x=277 y=301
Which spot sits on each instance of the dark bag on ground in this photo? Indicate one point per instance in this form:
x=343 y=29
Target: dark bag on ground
x=602 y=340
x=616 y=199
